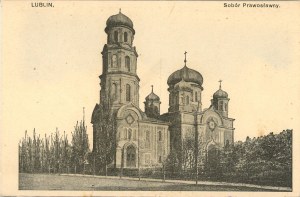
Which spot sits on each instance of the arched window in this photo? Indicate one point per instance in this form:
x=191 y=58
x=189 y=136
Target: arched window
x=125 y=37
x=128 y=96
x=116 y=36
x=114 y=61
x=187 y=100
x=127 y=63
x=159 y=136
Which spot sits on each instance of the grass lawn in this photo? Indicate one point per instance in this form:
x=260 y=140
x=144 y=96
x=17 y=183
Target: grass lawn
x=59 y=182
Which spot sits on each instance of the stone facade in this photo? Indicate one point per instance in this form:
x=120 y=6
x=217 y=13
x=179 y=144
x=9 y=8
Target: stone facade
x=145 y=139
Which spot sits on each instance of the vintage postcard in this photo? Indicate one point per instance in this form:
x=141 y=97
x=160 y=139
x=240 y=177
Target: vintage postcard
x=150 y=98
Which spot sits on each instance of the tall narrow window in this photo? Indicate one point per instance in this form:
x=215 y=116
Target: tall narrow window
x=128 y=96
x=147 y=142
x=125 y=134
x=114 y=92
x=134 y=134
x=159 y=136
x=196 y=97
x=129 y=134
x=125 y=37
x=226 y=107
x=116 y=36
x=187 y=100
x=182 y=99
x=221 y=106
x=114 y=61
x=127 y=63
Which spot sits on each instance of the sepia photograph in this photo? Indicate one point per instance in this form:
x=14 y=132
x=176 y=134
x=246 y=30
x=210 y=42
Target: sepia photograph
x=150 y=98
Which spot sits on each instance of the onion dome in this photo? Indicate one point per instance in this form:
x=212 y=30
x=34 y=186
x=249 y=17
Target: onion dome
x=119 y=20
x=186 y=74
x=220 y=93
x=152 y=96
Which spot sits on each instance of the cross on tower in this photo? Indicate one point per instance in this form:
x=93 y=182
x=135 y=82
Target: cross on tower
x=152 y=87
x=185 y=58
x=119 y=10
x=220 y=81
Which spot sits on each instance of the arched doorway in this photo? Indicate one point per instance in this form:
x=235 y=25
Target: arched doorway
x=130 y=156
x=213 y=159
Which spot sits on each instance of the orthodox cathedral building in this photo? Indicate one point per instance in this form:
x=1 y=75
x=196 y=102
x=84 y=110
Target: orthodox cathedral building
x=145 y=139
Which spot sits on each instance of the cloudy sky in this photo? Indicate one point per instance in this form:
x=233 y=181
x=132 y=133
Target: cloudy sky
x=51 y=60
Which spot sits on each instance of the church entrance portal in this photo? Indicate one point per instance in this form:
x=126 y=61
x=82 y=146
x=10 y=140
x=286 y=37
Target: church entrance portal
x=213 y=159
x=130 y=157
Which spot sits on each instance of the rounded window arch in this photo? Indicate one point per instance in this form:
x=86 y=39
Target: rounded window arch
x=116 y=35
x=125 y=37
x=127 y=63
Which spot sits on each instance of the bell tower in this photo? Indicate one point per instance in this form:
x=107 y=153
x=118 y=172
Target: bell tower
x=119 y=81
x=220 y=101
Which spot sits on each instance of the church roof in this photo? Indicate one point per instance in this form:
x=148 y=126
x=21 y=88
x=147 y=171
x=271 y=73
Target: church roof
x=186 y=74
x=220 y=93
x=119 y=20
x=152 y=96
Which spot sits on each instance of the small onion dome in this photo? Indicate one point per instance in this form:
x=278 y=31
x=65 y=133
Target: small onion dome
x=119 y=20
x=182 y=85
x=220 y=93
x=186 y=74
x=152 y=96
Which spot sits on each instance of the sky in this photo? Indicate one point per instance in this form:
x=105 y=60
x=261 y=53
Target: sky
x=52 y=60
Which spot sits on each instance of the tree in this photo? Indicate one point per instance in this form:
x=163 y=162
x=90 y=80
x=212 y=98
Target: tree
x=80 y=146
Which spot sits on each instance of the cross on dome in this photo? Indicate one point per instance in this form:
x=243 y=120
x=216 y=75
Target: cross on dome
x=220 y=81
x=185 y=58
